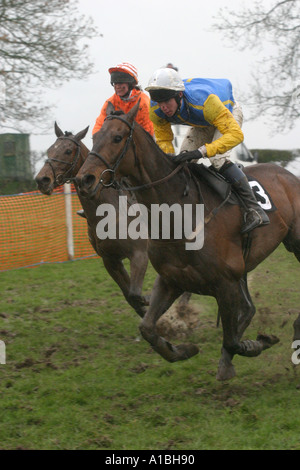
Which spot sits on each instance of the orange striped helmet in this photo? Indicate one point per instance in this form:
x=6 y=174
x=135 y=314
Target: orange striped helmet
x=126 y=68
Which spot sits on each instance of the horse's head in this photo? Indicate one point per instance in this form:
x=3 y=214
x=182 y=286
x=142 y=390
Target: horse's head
x=112 y=152
x=65 y=157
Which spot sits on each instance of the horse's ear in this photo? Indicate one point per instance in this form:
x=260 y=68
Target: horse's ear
x=110 y=108
x=58 y=131
x=133 y=112
x=81 y=135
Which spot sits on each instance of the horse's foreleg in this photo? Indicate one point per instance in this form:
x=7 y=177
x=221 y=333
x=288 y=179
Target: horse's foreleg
x=237 y=310
x=138 y=268
x=117 y=271
x=162 y=297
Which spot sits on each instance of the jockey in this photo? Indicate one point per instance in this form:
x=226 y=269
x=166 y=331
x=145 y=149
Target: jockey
x=124 y=79
x=215 y=119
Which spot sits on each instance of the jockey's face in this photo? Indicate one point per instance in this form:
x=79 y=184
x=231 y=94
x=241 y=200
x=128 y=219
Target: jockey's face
x=121 y=89
x=169 y=107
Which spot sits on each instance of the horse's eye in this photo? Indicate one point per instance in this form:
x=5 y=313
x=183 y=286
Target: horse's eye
x=68 y=152
x=117 y=139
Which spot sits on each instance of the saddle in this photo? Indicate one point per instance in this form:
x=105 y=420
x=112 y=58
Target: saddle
x=216 y=181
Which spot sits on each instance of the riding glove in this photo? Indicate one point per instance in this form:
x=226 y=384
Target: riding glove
x=188 y=156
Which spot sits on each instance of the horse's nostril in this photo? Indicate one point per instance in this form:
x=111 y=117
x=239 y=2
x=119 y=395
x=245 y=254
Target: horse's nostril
x=88 y=181
x=44 y=181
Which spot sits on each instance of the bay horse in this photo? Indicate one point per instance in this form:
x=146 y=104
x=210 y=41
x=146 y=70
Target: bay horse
x=219 y=268
x=65 y=158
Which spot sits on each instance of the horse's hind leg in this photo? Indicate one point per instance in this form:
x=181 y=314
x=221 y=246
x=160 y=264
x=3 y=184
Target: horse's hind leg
x=292 y=240
x=244 y=317
x=237 y=310
x=162 y=297
x=138 y=268
x=296 y=326
x=292 y=244
x=117 y=271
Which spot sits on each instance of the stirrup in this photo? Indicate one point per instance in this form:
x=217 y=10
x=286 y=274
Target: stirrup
x=257 y=221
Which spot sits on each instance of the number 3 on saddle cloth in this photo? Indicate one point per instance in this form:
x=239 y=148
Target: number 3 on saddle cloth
x=262 y=196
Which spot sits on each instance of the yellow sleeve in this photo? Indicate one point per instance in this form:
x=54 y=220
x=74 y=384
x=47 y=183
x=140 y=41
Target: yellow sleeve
x=163 y=132
x=220 y=117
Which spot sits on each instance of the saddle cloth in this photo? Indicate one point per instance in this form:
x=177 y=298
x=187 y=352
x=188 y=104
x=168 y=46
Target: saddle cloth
x=223 y=188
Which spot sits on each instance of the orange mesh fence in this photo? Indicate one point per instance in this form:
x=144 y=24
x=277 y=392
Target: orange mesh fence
x=33 y=230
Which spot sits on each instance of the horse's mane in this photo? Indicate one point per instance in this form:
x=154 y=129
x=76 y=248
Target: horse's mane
x=152 y=141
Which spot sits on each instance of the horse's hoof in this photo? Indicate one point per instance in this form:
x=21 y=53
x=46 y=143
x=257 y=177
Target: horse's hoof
x=138 y=303
x=226 y=369
x=176 y=353
x=186 y=351
x=225 y=373
x=267 y=340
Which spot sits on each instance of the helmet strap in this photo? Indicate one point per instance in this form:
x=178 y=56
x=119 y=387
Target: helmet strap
x=178 y=99
x=127 y=96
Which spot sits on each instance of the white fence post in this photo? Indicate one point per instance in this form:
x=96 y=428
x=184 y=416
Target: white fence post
x=2 y=353
x=69 y=223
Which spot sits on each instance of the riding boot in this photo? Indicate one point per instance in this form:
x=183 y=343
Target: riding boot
x=81 y=213
x=255 y=216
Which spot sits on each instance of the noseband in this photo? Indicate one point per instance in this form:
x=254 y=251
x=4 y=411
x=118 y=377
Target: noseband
x=114 y=168
x=64 y=178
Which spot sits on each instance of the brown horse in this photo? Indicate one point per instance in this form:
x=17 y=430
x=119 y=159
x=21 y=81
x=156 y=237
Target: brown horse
x=65 y=158
x=219 y=268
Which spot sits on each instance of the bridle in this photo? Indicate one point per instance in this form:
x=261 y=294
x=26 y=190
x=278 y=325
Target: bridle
x=112 y=169
x=115 y=184
x=66 y=176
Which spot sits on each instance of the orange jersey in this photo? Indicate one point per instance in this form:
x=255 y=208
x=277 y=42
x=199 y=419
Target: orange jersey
x=142 y=117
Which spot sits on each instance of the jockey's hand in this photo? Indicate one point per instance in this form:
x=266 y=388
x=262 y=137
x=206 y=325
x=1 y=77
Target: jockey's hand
x=188 y=156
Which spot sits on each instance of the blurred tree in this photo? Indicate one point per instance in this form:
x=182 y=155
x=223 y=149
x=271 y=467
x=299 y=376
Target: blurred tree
x=275 y=82
x=41 y=45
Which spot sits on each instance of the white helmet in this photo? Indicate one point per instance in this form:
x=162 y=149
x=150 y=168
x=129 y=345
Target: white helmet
x=165 y=79
x=165 y=84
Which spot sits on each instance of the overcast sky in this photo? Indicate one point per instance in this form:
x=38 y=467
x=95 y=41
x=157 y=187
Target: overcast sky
x=149 y=34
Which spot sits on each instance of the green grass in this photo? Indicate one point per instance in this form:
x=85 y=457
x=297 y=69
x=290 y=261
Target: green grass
x=78 y=375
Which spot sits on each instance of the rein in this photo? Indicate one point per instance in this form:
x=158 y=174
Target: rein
x=157 y=182
x=63 y=178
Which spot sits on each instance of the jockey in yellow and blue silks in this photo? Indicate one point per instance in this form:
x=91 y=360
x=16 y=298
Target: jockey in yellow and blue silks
x=208 y=107
x=200 y=106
